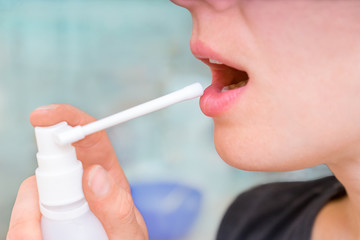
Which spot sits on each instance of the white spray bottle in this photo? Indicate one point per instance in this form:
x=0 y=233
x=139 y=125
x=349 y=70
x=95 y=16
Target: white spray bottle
x=65 y=211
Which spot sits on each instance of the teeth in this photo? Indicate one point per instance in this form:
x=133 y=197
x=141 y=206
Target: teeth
x=234 y=86
x=214 y=61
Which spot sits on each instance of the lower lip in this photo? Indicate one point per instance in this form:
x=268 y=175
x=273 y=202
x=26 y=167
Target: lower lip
x=214 y=102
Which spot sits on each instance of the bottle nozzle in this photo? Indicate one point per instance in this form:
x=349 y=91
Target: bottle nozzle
x=79 y=132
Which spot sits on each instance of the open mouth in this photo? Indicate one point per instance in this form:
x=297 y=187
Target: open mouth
x=227 y=78
x=239 y=80
x=228 y=84
x=230 y=80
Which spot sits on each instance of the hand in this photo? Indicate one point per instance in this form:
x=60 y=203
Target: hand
x=105 y=185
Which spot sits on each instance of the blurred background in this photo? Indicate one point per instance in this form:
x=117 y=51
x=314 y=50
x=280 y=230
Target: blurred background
x=103 y=57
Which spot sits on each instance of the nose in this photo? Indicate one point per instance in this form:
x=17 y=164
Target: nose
x=185 y=3
x=218 y=5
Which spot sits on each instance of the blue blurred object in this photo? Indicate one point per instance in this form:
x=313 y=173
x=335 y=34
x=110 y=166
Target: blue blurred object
x=169 y=208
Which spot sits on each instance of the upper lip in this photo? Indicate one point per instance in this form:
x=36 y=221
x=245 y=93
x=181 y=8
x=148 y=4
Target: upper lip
x=202 y=52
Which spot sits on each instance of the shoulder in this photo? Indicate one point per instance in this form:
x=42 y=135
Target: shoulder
x=270 y=211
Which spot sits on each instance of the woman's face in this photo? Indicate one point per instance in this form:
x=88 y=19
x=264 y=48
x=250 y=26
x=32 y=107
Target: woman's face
x=301 y=104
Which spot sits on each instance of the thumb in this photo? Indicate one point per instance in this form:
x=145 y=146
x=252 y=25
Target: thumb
x=112 y=205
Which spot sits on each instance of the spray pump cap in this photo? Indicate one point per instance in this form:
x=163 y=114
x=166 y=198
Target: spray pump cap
x=59 y=173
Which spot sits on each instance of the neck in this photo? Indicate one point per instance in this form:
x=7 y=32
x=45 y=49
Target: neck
x=348 y=173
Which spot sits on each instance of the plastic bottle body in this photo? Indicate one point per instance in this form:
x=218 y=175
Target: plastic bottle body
x=84 y=227
x=65 y=211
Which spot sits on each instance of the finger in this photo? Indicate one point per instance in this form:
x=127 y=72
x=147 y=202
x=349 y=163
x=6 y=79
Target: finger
x=94 y=149
x=52 y=114
x=25 y=217
x=112 y=205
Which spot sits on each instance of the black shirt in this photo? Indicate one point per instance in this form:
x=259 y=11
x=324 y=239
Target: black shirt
x=278 y=211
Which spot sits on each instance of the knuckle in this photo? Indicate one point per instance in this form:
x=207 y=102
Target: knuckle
x=125 y=208
x=117 y=208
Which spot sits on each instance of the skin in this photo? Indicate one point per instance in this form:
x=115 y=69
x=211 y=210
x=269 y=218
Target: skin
x=296 y=61
x=300 y=107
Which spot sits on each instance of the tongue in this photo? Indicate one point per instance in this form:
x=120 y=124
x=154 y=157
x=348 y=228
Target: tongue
x=233 y=86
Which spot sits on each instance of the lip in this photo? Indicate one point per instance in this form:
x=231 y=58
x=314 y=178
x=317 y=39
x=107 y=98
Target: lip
x=214 y=101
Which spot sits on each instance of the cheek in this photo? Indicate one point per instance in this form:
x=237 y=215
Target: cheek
x=265 y=148
x=255 y=135
x=296 y=114
x=301 y=110
x=288 y=131
x=259 y=146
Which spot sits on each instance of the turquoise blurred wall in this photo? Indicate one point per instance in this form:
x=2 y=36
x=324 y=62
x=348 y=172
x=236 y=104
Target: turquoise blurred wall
x=104 y=56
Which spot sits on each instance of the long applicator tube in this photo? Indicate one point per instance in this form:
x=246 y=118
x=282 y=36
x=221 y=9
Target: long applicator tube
x=79 y=132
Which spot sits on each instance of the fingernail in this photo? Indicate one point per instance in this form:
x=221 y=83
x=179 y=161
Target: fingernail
x=99 y=181
x=47 y=107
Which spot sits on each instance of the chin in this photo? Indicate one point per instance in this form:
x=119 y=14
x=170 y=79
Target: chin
x=258 y=154
x=238 y=152
x=245 y=159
